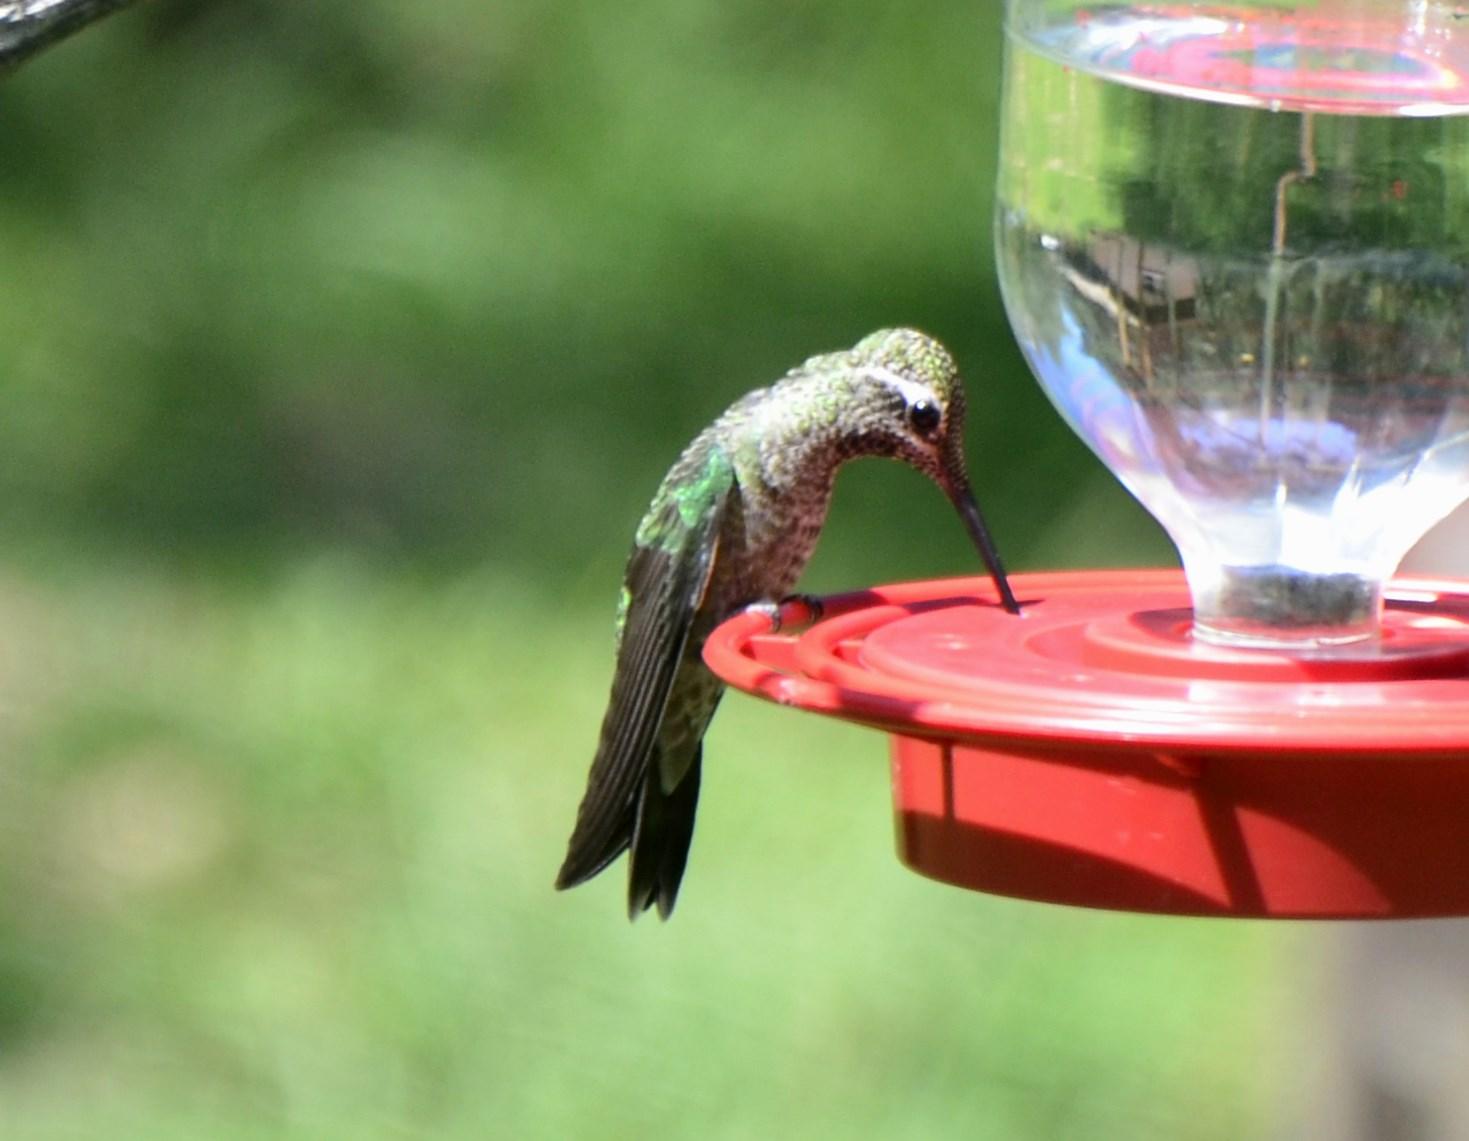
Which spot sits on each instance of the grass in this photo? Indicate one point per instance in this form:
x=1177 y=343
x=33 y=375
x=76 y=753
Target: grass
x=276 y=863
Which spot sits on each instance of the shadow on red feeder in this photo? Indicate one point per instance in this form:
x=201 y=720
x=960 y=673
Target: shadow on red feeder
x=1091 y=752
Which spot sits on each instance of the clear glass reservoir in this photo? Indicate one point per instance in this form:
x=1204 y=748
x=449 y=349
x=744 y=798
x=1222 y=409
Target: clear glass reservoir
x=1233 y=241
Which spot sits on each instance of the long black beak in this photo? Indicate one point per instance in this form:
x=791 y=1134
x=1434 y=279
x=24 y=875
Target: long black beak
x=968 y=508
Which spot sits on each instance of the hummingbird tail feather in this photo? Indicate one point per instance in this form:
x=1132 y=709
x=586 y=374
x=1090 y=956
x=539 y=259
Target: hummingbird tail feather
x=582 y=863
x=660 y=841
x=603 y=832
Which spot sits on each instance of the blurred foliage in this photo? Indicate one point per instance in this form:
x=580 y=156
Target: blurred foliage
x=267 y=870
x=458 y=282
x=342 y=345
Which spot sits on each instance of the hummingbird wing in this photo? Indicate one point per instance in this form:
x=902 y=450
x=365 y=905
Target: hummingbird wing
x=667 y=578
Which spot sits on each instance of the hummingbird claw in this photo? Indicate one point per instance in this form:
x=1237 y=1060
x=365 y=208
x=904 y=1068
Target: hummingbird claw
x=812 y=605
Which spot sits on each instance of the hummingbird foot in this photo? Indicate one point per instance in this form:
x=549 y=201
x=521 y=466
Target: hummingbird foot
x=792 y=610
x=814 y=609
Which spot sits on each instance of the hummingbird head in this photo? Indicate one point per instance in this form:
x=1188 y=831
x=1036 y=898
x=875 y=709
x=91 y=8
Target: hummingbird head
x=909 y=404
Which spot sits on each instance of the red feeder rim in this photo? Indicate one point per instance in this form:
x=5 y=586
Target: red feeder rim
x=1090 y=752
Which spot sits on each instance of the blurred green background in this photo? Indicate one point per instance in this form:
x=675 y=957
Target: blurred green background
x=342 y=346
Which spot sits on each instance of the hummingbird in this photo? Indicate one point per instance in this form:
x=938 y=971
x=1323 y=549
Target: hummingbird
x=733 y=524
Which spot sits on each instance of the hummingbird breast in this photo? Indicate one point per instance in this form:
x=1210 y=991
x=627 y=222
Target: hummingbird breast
x=769 y=539
x=785 y=469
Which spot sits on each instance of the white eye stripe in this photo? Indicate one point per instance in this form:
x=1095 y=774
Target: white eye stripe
x=910 y=390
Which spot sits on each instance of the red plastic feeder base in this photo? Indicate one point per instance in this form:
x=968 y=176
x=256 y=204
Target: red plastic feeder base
x=1090 y=752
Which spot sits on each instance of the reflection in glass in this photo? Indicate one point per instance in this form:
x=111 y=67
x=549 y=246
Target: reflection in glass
x=1237 y=257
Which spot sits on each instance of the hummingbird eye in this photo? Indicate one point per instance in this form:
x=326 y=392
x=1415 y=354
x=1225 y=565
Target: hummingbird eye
x=925 y=416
